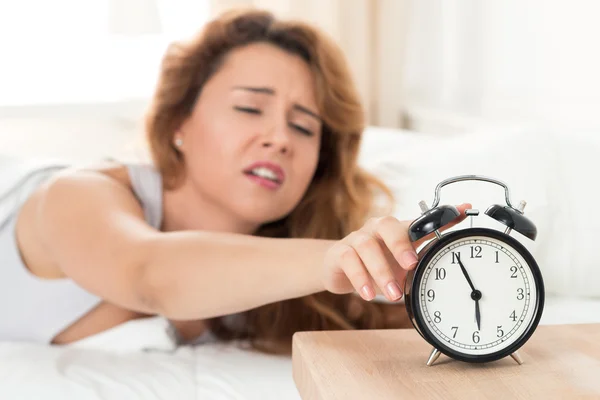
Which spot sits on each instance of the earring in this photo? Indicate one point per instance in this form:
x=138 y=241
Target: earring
x=178 y=142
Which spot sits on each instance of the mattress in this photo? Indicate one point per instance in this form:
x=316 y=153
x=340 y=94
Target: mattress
x=138 y=360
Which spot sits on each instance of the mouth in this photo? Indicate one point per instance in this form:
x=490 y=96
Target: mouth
x=266 y=174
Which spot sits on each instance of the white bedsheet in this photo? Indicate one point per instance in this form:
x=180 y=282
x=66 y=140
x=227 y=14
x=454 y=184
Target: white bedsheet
x=138 y=361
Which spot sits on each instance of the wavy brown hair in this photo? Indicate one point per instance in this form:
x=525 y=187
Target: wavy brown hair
x=339 y=199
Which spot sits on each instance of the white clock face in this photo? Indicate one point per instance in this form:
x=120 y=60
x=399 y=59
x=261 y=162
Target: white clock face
x=508 y=295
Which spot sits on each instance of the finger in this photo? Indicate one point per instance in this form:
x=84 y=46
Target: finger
x=394 y=234
x=461 y=217
x=373 y=258
x=397 y=270
x=461 y=209
x=356 y=273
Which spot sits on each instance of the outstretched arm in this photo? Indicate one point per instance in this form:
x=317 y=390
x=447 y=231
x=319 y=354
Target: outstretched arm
x=93 y=229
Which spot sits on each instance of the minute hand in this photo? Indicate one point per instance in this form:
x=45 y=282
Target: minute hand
x=464 y=271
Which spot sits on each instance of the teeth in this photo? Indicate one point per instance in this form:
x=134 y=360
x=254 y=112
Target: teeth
x=264 y=172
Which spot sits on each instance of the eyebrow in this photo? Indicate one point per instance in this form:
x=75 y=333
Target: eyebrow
x=271 y=91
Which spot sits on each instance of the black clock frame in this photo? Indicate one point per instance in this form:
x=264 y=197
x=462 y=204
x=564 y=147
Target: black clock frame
x=412 y=293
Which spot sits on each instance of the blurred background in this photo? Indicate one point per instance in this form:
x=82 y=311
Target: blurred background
x=76 y=76
x=505 y=88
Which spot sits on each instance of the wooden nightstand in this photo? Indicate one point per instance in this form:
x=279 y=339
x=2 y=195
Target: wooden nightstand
x=559 y=362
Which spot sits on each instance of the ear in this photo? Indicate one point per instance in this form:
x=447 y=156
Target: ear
x=180 y=138
x=178 y=141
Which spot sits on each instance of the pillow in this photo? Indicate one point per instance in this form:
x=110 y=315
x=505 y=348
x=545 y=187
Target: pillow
x=412 y=165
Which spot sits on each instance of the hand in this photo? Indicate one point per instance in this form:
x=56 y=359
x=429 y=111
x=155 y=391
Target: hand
x=375 y=258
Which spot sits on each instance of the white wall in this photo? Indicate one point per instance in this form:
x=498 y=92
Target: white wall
x=510 y=60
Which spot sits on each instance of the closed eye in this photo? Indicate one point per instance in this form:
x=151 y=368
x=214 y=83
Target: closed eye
x=302 y=130
x=257 y=111
x=248 y=110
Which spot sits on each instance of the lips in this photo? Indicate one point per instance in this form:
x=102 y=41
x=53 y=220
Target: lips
x=266 y=173
x=266 y=170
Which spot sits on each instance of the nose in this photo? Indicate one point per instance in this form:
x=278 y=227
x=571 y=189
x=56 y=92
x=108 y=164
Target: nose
x=278 y=139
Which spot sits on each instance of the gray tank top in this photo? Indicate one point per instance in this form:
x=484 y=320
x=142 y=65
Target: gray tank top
x=36 y=309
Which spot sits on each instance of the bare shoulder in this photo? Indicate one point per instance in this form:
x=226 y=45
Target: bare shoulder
x=106 y=181
x=110 y=169
x=112 y=173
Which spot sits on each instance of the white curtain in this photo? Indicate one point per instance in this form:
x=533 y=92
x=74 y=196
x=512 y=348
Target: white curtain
x=134 y=17
x=519 y=60
x=370 y=32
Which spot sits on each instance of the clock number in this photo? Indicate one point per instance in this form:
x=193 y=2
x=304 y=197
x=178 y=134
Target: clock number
x=497 y=257
x=476 y=337
x=440 y=274
x=437 y=317
x=455 y=328
x=500 y=331
x=476 y=249
x=513 y=316
x=520 y=294
x=455 y=256
x=431 y=295
x=513 y=269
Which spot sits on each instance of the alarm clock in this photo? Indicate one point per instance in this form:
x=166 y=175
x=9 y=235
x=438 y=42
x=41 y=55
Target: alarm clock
x=476 y=294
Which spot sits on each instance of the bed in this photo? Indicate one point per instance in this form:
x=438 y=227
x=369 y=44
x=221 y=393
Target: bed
x=139 y=360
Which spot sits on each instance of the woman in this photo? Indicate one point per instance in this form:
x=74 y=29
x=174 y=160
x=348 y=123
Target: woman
x=254 y=207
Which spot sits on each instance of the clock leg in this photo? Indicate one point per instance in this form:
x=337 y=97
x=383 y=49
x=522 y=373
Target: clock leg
x=435 y=353
x=515 y=356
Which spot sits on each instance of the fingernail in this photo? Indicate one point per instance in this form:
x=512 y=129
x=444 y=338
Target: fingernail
x=393 y=290
x=367 y=293
x=409 y=259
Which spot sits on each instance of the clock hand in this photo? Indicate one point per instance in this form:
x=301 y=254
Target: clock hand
x=464 y=271
x=477 y=315
x=475 y=294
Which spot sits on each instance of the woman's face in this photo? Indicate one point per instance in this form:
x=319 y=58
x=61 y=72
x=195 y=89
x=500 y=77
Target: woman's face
x=251 y=144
